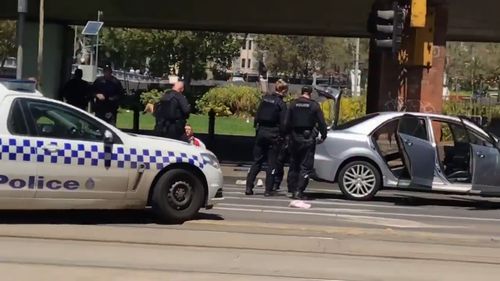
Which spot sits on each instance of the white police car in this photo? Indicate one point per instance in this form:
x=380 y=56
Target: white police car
x=55 y=156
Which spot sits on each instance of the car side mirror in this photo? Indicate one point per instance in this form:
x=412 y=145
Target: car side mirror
x=108 y=137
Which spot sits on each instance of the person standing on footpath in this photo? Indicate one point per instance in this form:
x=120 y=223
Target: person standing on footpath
x=269 y=123
x=108 y=94
x=77 y=91
x=171 y=113
x=303 y=118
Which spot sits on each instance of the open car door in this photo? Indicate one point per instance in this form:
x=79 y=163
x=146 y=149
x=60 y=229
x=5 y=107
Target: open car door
x=419 y=154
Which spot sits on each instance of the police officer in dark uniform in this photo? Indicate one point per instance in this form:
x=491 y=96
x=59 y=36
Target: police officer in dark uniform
x=269 y=122
x=108 y=94
x=171 y=113
x=303 y=119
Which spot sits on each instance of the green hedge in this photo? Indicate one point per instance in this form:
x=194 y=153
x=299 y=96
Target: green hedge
x=240 y=101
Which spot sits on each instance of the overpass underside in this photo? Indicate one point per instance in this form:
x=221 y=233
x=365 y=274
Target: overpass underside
x=463 y=20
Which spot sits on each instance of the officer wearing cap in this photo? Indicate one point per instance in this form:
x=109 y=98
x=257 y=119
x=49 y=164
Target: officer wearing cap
x=108 y=92
x=269 y=123
x=303 y=118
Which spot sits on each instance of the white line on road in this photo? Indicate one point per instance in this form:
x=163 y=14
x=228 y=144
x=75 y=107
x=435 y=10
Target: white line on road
x=325 y=202
x=373 y=213
x=398 y=223
x=331 y=210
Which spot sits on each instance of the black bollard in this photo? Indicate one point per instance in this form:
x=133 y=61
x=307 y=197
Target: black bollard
x=211 y=128
x=136 y=121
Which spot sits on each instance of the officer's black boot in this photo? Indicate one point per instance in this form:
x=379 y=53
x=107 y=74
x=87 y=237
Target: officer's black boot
x=248 y=191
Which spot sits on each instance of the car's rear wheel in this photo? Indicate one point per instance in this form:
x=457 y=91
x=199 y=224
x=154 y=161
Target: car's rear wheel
x=177 y=196
x=359 y=180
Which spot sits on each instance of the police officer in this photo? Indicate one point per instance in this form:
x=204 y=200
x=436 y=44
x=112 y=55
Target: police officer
x=269 y=123
x=108 y=94
x=171 y=113
x=303 y=118
x=77 y=91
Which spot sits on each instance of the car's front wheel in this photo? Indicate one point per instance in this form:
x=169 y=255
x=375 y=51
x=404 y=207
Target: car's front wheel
x=359 y=180
x=177 y=196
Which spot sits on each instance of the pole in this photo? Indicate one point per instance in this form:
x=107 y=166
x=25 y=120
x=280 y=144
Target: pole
x=40 y=41
x=356 y=69
x=75 y=39
x=22 y=9
x=99 y=14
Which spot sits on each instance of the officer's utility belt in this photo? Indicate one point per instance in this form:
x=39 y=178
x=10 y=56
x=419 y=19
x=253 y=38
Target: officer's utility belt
x=306 y=132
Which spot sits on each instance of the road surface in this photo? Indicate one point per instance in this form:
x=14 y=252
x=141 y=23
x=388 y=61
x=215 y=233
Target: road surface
x=398 y=236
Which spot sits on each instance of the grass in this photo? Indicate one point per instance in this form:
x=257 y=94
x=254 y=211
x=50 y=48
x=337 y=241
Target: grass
x=223 y=125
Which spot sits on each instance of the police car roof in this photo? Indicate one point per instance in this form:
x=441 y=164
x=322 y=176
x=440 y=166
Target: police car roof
x=18 y=87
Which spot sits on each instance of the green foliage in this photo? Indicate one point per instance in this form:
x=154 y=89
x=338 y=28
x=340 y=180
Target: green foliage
x=229 y=100
x=7 y=40
x=300 y=56
x=189 y=52
x=152 y=96
x=351 y=108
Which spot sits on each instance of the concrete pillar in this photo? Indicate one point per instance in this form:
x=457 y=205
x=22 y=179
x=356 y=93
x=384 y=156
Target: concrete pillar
x=393 y=87
x=57 y=52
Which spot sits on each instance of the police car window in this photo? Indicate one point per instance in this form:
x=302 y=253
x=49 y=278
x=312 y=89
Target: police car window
x=57 y=122
x=16 y=122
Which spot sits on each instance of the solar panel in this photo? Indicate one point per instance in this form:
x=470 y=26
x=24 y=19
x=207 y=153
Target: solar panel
x=92 y=28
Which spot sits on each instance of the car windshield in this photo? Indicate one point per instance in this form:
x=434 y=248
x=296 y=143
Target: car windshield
x=355 y=122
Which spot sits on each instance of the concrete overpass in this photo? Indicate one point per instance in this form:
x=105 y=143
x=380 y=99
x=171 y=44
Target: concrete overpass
x=469 y=20
x=464 y=20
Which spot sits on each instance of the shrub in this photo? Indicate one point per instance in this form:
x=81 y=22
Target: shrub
x=152 y=96
x=241 y=101
x=351 y=108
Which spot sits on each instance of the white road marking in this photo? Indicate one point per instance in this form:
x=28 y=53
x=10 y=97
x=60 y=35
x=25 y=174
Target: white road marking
x=331 y=210
x=397 y=223
x=377 y=213
x=323 y=202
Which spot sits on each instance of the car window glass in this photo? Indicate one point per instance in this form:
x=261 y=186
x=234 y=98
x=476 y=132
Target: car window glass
x=355 y=122
x=385 y=137
x=56 y=121
x=17 y=122
x=413 y=126
x=477 y=139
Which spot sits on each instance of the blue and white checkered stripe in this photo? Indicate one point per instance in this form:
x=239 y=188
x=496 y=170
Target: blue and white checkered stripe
x=84 y=154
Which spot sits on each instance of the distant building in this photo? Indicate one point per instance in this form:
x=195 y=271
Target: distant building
x=248 y=61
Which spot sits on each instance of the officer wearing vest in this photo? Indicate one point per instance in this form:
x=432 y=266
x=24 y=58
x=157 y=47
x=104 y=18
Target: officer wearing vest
x=269 y=123
x=171 y=113
x=303 y=119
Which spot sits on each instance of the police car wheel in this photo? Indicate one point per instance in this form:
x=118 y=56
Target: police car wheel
x=359 y=180
x=177 y=196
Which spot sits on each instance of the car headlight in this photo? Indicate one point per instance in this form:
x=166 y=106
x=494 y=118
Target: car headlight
x=210 y=159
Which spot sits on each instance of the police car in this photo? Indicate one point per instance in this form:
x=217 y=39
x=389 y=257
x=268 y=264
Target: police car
x=56 y=156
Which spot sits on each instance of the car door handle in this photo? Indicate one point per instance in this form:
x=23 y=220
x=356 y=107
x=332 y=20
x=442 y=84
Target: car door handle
x=50 y=148
x=480 y=155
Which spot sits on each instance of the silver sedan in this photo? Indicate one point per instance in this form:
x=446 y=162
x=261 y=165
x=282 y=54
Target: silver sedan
x=410 y=151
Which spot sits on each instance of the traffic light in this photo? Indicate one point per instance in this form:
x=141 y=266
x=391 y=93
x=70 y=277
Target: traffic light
x=389 y=27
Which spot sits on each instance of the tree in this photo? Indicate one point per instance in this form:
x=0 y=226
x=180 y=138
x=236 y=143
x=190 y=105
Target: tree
x=7 y=40
x=300 y=56
x=189 y=51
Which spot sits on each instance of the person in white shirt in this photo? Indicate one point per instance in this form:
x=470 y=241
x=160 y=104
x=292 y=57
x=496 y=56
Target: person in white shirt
x=191 y=138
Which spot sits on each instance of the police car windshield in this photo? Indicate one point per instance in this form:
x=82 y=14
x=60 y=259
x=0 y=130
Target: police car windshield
x=355 y=122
